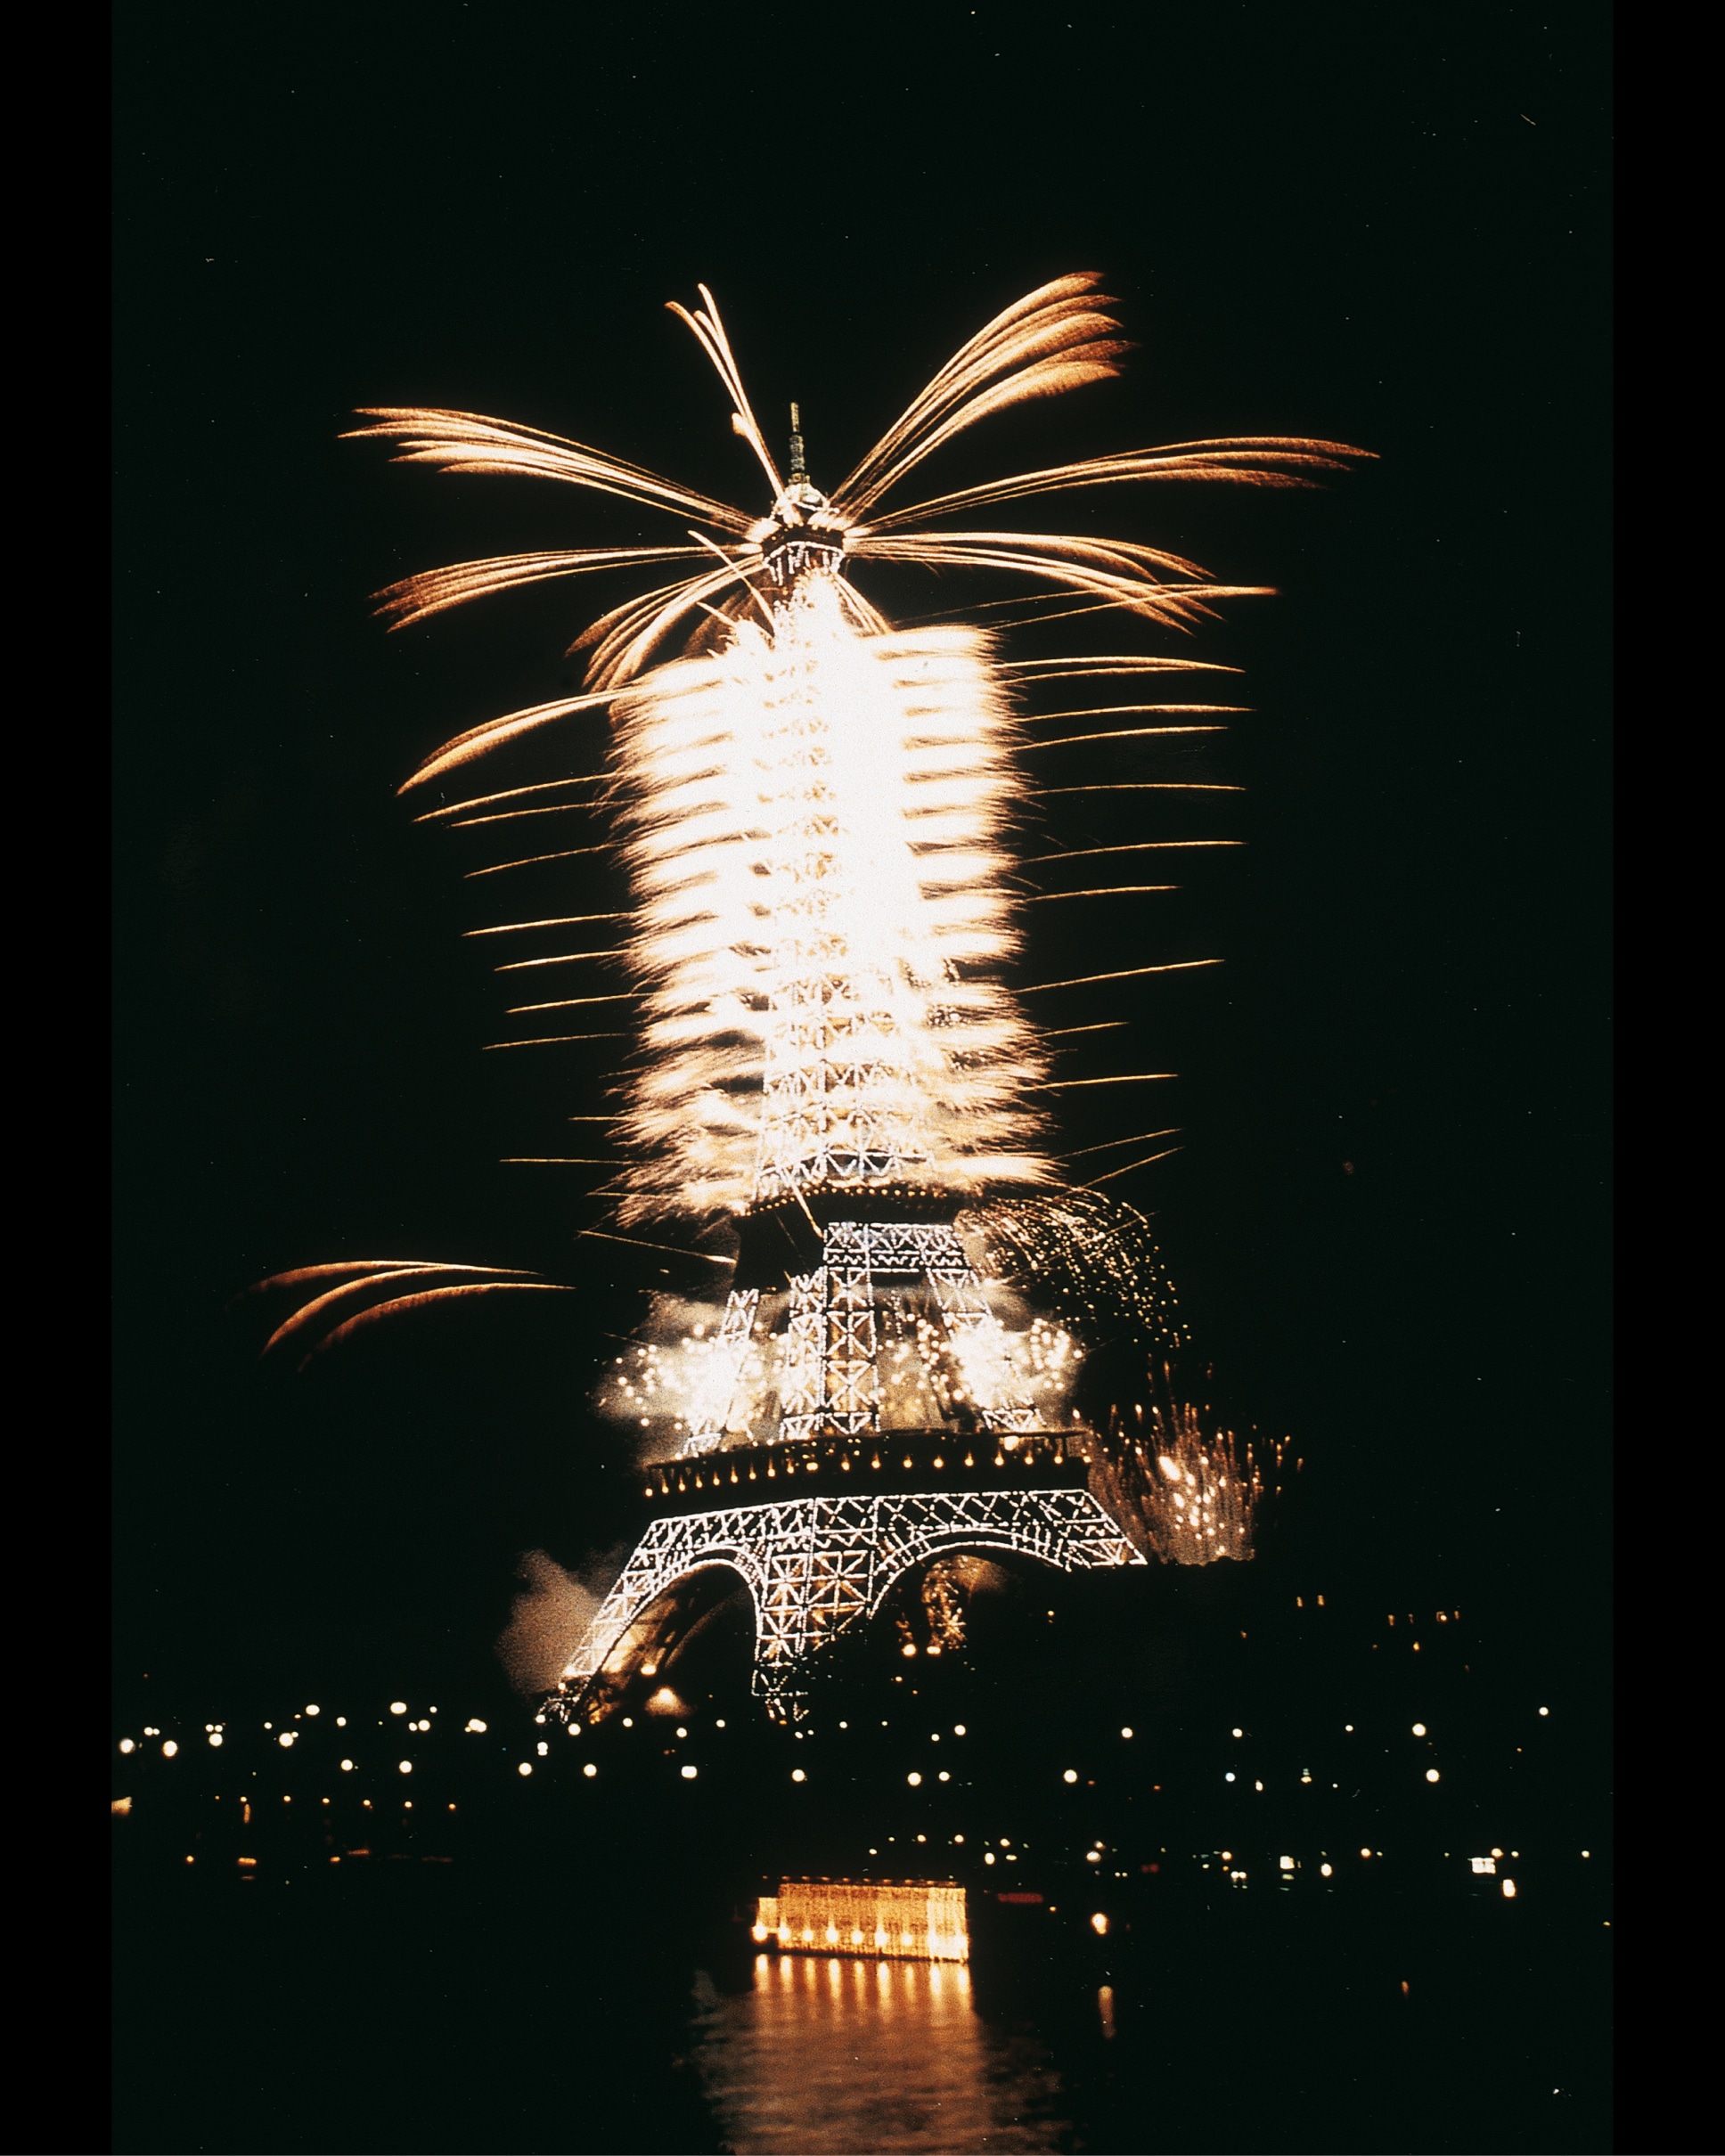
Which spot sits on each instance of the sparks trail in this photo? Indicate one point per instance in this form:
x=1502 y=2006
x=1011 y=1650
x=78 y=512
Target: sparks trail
x=815 y=812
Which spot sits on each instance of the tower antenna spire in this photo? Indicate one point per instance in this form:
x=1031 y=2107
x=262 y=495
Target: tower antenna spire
x=799 y=469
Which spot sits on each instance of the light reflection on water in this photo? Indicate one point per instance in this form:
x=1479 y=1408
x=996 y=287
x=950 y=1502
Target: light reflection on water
x=832 y=2057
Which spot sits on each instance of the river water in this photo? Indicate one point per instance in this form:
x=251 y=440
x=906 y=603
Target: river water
x=819 y=2054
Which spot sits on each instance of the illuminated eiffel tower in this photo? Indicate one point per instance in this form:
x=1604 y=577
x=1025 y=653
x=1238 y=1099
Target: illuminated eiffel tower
x=900 y=1432
x=814 y=809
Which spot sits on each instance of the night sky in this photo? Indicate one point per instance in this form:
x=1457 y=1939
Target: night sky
x=1389 y=1220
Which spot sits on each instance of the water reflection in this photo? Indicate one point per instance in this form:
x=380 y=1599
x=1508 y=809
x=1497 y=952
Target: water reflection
x=845 y=2056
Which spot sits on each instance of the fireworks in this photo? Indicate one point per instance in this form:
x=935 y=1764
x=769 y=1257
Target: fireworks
x=814 y=808
x=1186 y=1491
x=814 y=823
x=1091 y=1260
x=816 y=814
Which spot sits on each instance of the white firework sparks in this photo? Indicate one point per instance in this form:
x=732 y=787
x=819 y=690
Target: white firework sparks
x=814 y=818
x=815 y=812
x=815 y=805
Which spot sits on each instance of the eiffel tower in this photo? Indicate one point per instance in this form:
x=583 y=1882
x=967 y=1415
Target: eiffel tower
x=899 y=1433
x=814 y=808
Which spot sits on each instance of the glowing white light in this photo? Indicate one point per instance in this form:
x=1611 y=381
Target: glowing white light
x=525 y=1768
x=347 y=1767
x=797 y=1775
x=314 y=1709
x=169 y=1749
x=396 y=1706
x=772 y=898
x=405 y=1766
x=988 y=1856
x=341 y=1721
x=1227 y=1777
x=915 y=1780
x=286 y=1740
x=1323 y=1871
x=1238 y=1733
x=1419 y=1729
x=1071 y=1775
x=958 y=1729
x=1098 y=1924
x=125 y=1744
x=216 y=1738
x=1092 y=1856
x=475 y=1726
x=1125 y=1732
x=590 y=1770
x=1431 y=1773
x=541 y=1750
x=1286 y=1863
x=1509 y=1890
x=689 y=1774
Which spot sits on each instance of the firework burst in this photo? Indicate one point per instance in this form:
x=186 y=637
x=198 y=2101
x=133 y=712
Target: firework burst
x=814 y=809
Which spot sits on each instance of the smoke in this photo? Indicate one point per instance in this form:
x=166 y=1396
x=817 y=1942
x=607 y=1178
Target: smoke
x=548 y=1622
x=676 y=1376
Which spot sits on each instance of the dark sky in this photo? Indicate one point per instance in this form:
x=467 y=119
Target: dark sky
x=1388 y=226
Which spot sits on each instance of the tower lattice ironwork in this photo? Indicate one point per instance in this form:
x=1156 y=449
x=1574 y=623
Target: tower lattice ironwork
x=851 y=1269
